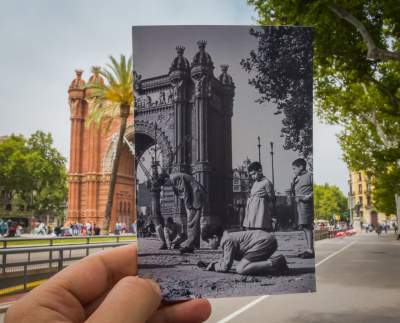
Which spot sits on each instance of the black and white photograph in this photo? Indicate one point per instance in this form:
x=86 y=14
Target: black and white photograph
x=224 y=159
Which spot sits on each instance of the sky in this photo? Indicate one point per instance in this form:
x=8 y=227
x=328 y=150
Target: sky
x=226 y=45
x=44 y=41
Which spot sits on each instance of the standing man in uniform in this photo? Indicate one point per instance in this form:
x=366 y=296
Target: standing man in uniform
x=192 y=193
x=302 y=189
x=259 y=206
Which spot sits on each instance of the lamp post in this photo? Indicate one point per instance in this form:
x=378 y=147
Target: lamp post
x=272 y=164
x=259 y=150
x=273 y=181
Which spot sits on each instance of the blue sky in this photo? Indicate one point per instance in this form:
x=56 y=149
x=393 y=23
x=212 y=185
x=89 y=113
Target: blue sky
x=44 y=41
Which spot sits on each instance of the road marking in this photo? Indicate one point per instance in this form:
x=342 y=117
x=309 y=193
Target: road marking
x=9 y=290
x=243 y=309
x=335 y=253
x=258 y=300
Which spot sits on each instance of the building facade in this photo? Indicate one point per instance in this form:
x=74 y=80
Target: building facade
x=360 y=201
x=92 y=151
x=187 y=112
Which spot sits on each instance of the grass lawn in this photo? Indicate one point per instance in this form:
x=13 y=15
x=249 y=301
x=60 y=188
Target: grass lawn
x=78 y=240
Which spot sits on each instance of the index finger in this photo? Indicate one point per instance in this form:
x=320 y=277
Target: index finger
x=92 y=276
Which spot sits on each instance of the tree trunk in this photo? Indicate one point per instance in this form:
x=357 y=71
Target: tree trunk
x=107 y=216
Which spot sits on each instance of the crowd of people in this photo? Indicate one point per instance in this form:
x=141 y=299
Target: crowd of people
x=381 y=227
x=9 y=229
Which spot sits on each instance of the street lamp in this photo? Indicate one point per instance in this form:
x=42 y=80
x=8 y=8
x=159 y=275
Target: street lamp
x=272 y=164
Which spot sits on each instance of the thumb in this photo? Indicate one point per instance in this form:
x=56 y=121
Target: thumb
x=132 y=300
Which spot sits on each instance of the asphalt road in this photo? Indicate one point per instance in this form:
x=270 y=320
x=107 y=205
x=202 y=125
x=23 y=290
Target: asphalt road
x=357 y=281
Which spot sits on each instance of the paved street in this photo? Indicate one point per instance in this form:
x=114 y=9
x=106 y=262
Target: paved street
x=357 y=281
x=166 y=265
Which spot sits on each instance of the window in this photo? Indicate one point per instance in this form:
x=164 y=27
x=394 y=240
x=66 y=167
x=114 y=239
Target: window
x=359 y=188
x=236 y=188
x=359 y=176
x=360 y=199
x=236 y=181
x=368 y=200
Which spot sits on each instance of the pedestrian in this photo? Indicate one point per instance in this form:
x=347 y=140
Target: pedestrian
x=252 y=248
x=259 y=207
x=395 y=228
x=302 y=189
x=378 y=230
x=140 y=226
x=123 y=227
x=41 y=229
x=12 y=230
x=172 y=232
x=96 y=229
x=3 y=228
x=134 y=227
x=88 y=228
x=117 y=228
x=192 y=193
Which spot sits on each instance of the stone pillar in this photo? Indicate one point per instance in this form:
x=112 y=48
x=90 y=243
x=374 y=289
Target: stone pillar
x=201 y=166
x=179 y=74
x=228 y=95
x=77 y=110
x=93 y=172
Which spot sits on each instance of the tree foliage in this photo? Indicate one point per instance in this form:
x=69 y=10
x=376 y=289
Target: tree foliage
x=108 y=101
x=329 y=201
x=357 y=76
x=281 y=72
x=33 y=172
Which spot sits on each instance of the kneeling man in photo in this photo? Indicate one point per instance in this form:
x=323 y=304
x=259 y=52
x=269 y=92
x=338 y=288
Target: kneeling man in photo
x=253 y=249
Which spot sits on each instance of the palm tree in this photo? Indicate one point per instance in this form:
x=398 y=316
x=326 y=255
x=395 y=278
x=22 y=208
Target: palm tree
x=108 y=101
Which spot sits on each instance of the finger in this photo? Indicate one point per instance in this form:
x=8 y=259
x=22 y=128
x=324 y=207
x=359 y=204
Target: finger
x=132 y=299
x=77 y=285
x=192 y=311
x=89 y=278
x=92 y=306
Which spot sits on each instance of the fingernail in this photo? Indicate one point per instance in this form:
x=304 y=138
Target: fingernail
x=155 y=286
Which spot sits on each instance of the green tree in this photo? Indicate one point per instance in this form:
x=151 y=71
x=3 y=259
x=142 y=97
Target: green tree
x=281 y=70
x=33 y=173
x=328 y=202
x=383 y=191
x=357 y=75
x=108 y=101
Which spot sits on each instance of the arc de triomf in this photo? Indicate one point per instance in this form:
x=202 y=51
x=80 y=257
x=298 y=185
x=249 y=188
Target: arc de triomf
x=187 y=112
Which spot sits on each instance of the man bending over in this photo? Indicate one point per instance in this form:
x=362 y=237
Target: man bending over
x=253 y=250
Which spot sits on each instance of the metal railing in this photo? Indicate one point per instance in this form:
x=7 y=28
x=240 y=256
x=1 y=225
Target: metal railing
x=51 y=241
x=20 y=272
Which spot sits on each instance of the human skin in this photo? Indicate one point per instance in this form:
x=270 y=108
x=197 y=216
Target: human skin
x=101 y=288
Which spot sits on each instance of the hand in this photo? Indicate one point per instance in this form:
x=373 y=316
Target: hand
x=103 y=288
x=211 y=266
x=202 y=265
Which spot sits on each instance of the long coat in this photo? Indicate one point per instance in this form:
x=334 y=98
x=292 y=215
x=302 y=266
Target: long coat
x=258 y=209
